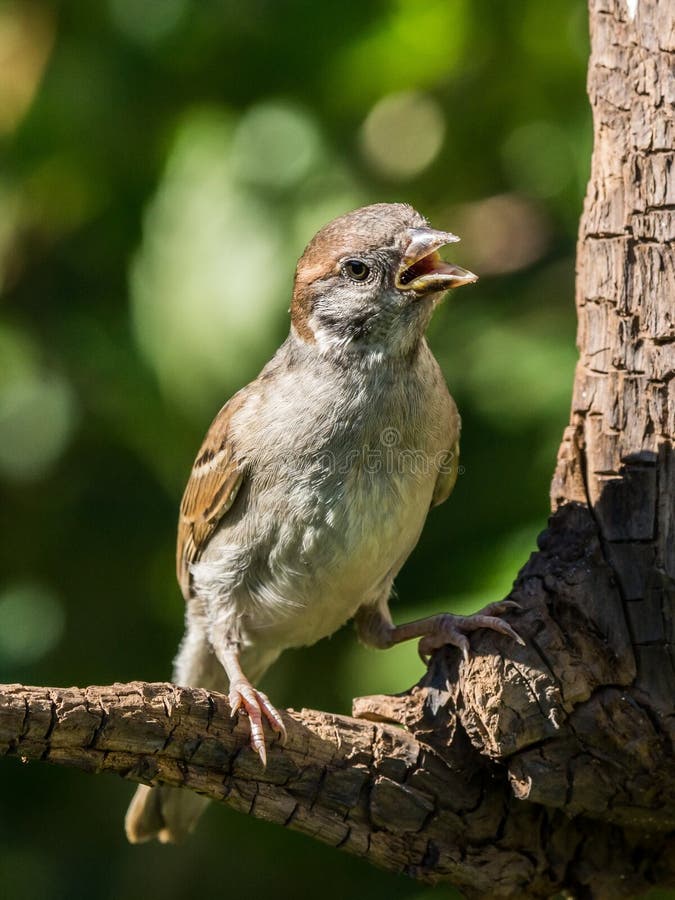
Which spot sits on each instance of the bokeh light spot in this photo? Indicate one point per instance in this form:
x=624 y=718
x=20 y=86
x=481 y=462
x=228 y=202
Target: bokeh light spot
x=538 y=159
x=147 y=21
x=412 y=45
x=403 y=134
x=37 y=411
x=502 y=234
x=26 y=39
x=31 y=622
x=506 y=361
x=274 y=145
x=209 y=269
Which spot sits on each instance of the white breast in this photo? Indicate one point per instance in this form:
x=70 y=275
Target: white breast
x=324 y=530
x=358 y=551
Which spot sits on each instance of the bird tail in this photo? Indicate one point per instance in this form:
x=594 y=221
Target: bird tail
x=166 y=813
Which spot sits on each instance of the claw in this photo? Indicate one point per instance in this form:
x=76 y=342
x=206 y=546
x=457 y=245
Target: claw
x=234 y=707
x=245 y=698
x=449 y=629
x=499 y=607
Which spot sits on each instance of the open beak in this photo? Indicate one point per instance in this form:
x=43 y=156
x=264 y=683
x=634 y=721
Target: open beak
x=422 y=270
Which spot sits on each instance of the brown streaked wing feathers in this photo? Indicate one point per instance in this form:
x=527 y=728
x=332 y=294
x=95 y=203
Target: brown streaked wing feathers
x=211 y=490
x=447 y=478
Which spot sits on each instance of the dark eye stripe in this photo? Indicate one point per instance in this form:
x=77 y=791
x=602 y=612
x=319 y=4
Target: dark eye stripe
x=354 y=328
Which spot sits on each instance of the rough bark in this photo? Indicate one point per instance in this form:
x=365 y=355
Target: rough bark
x=527 y=771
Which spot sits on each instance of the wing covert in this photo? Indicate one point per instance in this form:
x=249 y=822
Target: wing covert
x=212 y=488
x=447 y=476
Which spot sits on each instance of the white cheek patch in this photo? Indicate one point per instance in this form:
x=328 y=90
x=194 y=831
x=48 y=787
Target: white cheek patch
x=330 y=344
x=327 y=341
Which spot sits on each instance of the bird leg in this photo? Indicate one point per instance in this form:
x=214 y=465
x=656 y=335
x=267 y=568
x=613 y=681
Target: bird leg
x=249 y=700
x=375 y=627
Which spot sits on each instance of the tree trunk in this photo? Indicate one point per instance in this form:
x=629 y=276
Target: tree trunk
x=527 y=771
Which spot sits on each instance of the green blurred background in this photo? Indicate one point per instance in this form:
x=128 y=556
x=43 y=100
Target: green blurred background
x=164 y=162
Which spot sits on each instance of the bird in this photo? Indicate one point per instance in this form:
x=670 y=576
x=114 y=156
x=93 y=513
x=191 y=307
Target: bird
x=313 y=483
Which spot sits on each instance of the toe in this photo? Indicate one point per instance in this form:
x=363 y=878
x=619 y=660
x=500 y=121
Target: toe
x=258 y=745
x=450 y=634
x=503 y=627
x=244 y=697
x=424 y=651
x=272 y=715
x=257 y=706
x=499 y=608
x=451 y=629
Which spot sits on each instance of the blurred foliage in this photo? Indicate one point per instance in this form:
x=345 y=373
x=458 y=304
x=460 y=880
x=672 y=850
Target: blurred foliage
x=163 y=165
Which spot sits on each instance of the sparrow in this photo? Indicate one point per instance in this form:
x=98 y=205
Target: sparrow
x=314 y=481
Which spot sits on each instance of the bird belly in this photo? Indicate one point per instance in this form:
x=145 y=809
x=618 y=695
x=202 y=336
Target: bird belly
x=350 y=567
x=306 y=578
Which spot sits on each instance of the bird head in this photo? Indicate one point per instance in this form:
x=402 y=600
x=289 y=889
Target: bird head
x=368 y=281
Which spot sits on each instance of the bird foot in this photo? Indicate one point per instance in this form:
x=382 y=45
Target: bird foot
x=449 y=629
x=246 y=699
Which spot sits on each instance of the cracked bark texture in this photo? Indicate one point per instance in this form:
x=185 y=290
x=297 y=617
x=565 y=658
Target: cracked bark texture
x=528 y=771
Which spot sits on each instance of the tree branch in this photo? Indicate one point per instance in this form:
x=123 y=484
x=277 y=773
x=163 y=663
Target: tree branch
x=494 y=752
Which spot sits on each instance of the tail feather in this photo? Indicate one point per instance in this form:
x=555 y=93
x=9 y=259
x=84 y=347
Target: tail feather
x=168 y=814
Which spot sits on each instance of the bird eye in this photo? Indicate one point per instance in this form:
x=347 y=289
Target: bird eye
x=356 y=269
